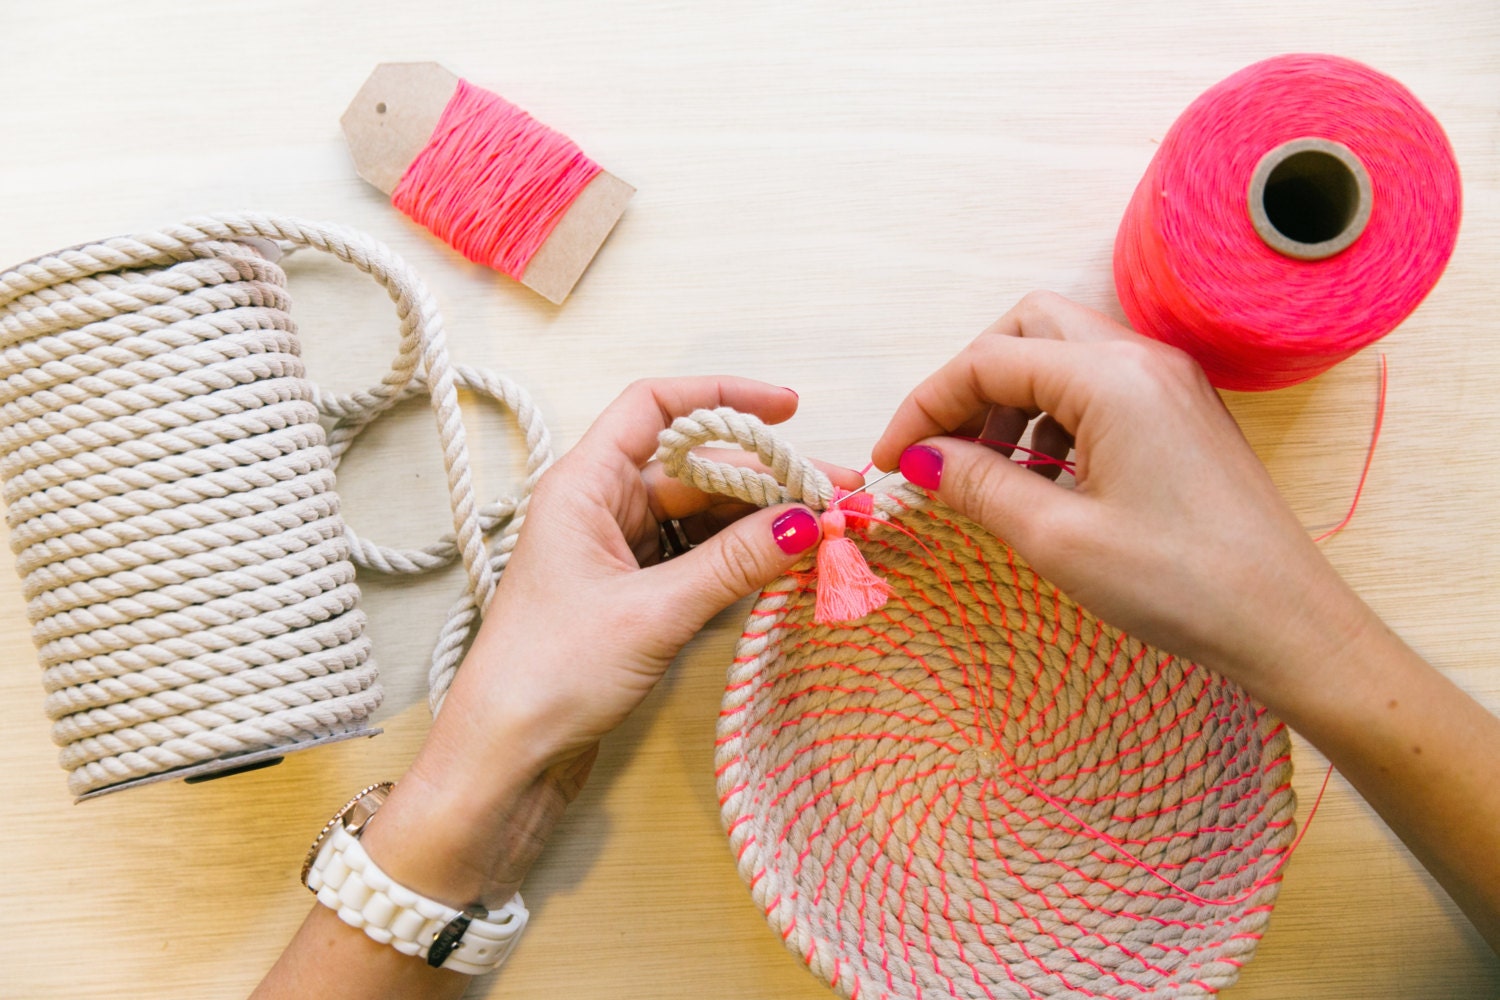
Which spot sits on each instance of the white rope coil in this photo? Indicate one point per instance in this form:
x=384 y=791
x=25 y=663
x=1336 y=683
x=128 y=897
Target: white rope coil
x=171 y=497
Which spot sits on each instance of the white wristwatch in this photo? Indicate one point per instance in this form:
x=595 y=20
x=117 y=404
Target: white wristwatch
x=472 y=940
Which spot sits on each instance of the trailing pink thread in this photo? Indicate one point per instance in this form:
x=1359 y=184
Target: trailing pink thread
x=846 y=588
x=1190 y=269
x=493 y=182
x=1034 y=459
x=1364 y=473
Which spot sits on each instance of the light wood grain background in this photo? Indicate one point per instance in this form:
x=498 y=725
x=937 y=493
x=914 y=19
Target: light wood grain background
x=833 y=197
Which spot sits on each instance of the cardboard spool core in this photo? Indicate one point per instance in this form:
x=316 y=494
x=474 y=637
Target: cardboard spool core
x=223 y=767
x=1309 y=198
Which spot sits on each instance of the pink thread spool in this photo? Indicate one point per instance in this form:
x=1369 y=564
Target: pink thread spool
x=1296 y=213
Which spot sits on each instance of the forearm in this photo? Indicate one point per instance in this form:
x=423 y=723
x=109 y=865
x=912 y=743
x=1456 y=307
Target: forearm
x=329 y=958
x=1423 y=753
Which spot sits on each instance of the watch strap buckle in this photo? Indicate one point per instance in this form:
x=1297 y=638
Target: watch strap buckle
x=452 y=934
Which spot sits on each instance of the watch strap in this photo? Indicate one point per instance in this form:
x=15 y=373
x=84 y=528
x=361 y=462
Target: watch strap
x=347 y=881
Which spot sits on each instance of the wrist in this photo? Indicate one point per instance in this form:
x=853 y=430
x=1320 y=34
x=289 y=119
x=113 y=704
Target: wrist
x=1295 y=623
x=469 y=817
x=1322 y=660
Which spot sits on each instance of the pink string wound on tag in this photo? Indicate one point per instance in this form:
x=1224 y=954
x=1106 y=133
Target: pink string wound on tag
x=482 y=175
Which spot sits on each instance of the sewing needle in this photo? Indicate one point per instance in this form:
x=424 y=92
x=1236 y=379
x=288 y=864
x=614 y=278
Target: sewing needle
x=866 y=486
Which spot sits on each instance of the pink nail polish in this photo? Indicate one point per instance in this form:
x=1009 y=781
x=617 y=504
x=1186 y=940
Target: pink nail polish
x=922 y=465
x=795 y=530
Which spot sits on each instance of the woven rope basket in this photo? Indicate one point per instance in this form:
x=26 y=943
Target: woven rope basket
x=980 y=790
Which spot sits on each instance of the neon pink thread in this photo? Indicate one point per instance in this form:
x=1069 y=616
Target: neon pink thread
x=493 y=182
x=1034 y=458
x=1191 y=271
x=1369 y=456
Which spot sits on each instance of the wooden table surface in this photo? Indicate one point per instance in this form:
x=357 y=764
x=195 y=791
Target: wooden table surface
x=833 y=197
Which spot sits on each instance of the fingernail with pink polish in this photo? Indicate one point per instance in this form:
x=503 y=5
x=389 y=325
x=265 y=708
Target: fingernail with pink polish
x=922 y=465
x=795 y=530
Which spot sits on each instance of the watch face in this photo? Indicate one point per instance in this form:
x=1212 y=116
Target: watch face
x=354 y=815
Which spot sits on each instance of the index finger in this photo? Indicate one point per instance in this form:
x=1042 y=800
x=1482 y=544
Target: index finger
x=1008 y=371
x=966 y=386
x=630 y=425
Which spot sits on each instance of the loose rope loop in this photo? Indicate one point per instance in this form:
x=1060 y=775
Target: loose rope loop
x=171 y=496
x=793 y=479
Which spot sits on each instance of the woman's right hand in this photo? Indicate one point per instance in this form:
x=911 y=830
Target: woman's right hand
x=1173 y=532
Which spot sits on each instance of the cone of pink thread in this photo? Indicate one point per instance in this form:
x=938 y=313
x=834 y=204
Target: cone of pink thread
x=1191 y=269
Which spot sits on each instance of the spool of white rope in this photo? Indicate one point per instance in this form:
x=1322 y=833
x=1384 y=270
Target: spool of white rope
x=171 y=497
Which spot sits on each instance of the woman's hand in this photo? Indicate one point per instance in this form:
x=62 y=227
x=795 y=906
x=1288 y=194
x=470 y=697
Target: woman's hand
x=585 y=621
x=586 y=589
x=1173 y=531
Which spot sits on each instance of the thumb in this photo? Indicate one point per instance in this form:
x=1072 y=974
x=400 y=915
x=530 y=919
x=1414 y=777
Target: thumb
x=740 y=559
x=1013 y=502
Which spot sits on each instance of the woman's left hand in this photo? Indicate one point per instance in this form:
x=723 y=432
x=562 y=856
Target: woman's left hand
x=585 y=621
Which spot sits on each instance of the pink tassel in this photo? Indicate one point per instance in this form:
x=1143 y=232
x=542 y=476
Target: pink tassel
x=846 y=588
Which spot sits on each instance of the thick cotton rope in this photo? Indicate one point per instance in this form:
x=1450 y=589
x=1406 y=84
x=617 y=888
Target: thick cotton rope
x=980 y=790
x=171 y=499
x=1191 y=270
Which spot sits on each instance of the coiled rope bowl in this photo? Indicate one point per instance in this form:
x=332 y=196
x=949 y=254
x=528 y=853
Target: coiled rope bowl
x=980 y=790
